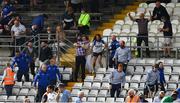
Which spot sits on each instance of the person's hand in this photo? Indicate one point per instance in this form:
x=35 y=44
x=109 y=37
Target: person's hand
x=129 y=14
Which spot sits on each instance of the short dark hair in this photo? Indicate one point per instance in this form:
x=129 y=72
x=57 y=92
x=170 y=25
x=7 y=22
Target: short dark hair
x=50 y=87
x=45 y=15
x=158 y=1
x=61 y=85
x=156 y=65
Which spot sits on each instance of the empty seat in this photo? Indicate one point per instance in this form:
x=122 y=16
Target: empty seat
x=31 y=98
x=176 y=63
x=166 y=77
x=107 y=32
x=174 y=78
x=93 y=93
x=21 y=98
x=136 y=78
x=105 y=85
x=128 y=78
x=119 y=22
x=3 y=97
x=132 y=62
x=86 y=92
x=147 y=69
x=32 y=91
x=109 y=70
x=141 y=86
x=106 y=78
x=143 y=79
x=18 y=84
x=96 y=85
x=103 y=93
x=126 y=86
x=89 y=79
x=101 y=70
x=139 y=70
x=130 y=69
x=27 y=85
x=110 y=100
x=24 y=91
x=66 y=77
x=16 y=91
x=134 y=85
x=140 y=62
x=167 y=70
x=176 y=70
x=150 y=61
x=171 y=86
x=74 y=92
x=101 y=99
x=123 y=93
x=91 y=99
x=12 y=98
x=98 y=78
x=143 y=5
x=77 y=85
x=87 y=85
x=68 y=70
x=120 y=100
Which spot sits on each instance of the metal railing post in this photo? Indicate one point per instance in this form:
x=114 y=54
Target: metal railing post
x=158 y=48
x=39 y=44
x=58 y=49
x=107 y=54
x=14 y=44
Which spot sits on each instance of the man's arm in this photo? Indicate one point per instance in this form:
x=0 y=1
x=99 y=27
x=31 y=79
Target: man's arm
x=58 y=73
x=131 y=17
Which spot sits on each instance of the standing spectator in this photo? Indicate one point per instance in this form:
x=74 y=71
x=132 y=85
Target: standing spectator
x=18 y=31
x=68 y=18
x=80 y=58
x=160 y=11
x=143 y=33
x=63 y=94
x=117 y=80
x=53 y=72
x=167 y=31
x=43 y=79
x=113 y=46
x=22 y=61
x=152 y=80
x=76 y=5
x=60 y=35
x=45 y=53
x=94 y=6
x=33 y=3
x=170 y=99
x=49 y=96
x=132 y=97
x=39 y=21
x=32 y=53
x=161 y=75
x=80 y=96
x=84 y=22
x=97 y=48
x=6 y=12
x=86 y=44
x=123 y=55
x=8 y=79
x=159 y=97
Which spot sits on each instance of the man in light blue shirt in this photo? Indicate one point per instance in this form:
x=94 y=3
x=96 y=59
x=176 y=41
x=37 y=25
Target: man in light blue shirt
x=123 y=55
x=80 y=96
x=63 y=95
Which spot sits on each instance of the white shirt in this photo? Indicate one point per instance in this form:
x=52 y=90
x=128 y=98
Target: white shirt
x=51 y=97
x=157 y=100
x=98 y=46
x=18 y=29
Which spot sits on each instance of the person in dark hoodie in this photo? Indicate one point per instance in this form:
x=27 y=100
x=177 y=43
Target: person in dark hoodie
x=53 y=72
x=22 y=61
x=43 y=79
x=161 y=75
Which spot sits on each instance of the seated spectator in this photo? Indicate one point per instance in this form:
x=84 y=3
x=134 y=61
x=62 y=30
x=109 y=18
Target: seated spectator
x=117 y=80
x=43 y=79
x=170 y=99
x=6 y=12
x=160 y=11
x=84 y=22
x=161 y=75
x=69 y=19
x=27 y=100
x=53 y=72
x=159 y=97
x=39 y=21
x=63 y=94
x=132 y=97
x=50 y=35
x=152 y=81
x=79 y=97
x=168 y=33
x=76 y=5
x=45 y=53
x=49 y=96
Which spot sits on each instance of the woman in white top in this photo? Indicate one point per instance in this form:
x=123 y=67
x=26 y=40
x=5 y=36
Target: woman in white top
x=98 y=46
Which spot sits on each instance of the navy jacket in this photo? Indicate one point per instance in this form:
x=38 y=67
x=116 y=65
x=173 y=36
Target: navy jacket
x=161 y=75
x=42 y=78
x=113 y=46
x=53 y=72
x=39 y=21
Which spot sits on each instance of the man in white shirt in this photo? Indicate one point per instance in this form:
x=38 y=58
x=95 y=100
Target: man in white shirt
x=49 y=96
x=159 y=97
x=17 y=31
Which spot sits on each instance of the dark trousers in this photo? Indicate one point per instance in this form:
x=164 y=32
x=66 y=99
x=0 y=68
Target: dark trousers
x=84 y=30
x=94 y=6
x=76 y=7
x=41 y=91
x=53 y=82
x=124 y=66
x=8 y=89
x=80 y=63
x=162 y=87
x=115 y=88
x=18 y=42
x=32 y=67
x=139 y=42
x=20 y=74
x=111 y=62
x=153 y=88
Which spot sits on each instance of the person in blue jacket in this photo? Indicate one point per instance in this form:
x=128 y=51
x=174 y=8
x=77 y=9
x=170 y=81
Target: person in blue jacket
x=53 y=72
x=112 y=48
x=161 y=75
x=43 y=79
x=39 y=21
x=22 y=61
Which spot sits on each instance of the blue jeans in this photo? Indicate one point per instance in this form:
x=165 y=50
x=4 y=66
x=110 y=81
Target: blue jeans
x=8 y=89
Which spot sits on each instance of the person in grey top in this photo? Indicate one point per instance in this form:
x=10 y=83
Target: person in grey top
x=123 y=55
x=143 y=32
x=117 y=79
x=159 y=97
x=152 y=80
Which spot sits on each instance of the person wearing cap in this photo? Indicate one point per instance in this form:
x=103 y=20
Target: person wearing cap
x=117 y=79
x=159 y=97
x=123 y=55
x=170 y=99
x=152 y=80
x=63 y=95
x=132 y=97
x=142 y=98
x=79 y=97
